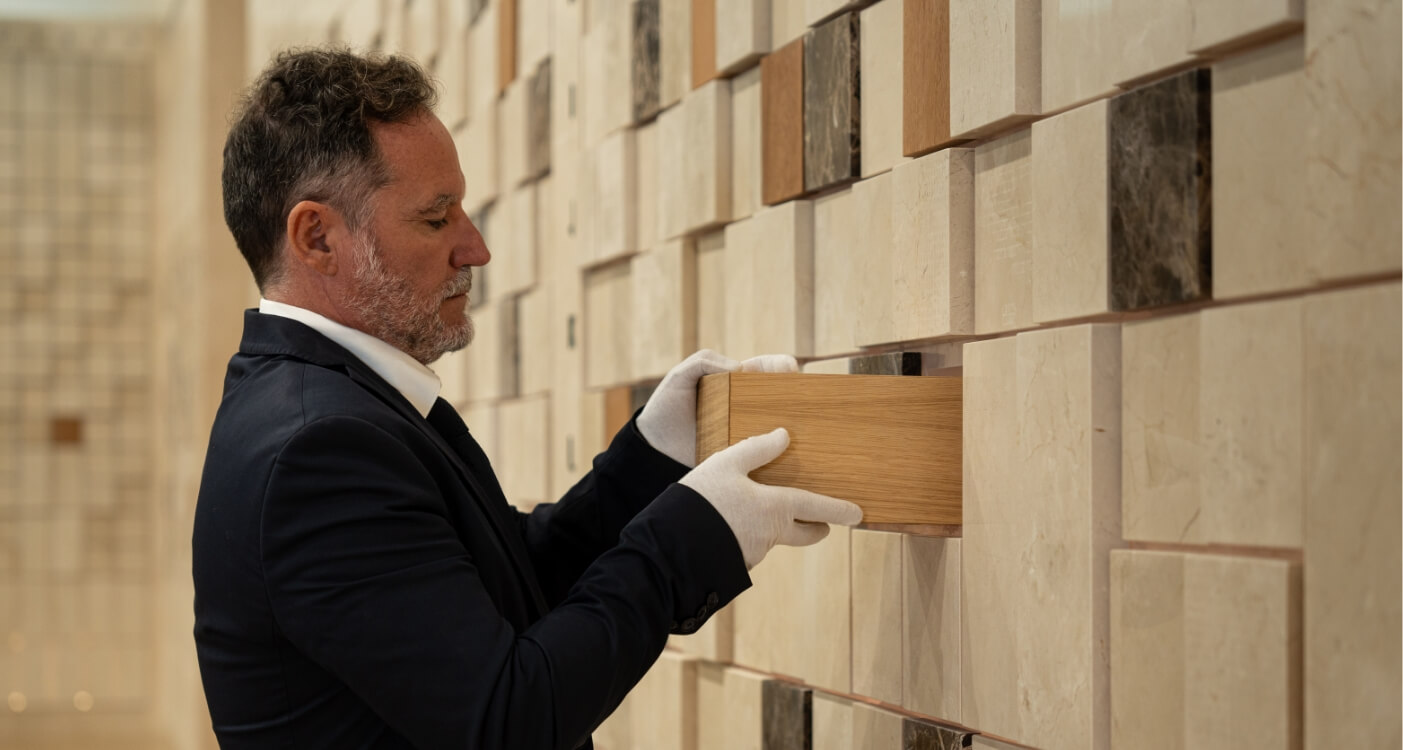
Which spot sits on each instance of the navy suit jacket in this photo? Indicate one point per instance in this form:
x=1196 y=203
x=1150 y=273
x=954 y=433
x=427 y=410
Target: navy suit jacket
x=361 y=582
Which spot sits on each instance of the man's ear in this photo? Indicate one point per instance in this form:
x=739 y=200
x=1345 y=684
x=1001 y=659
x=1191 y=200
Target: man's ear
x=315 y=237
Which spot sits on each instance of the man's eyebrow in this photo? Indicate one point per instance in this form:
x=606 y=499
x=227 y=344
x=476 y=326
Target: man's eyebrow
x=441 y=202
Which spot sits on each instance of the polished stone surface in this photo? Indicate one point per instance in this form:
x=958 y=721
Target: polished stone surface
x=538 y=120
x=896 y=363
x=788 y=716
x=646 y=60
x=1160 y=175
x=926 y=735
x=832 y=110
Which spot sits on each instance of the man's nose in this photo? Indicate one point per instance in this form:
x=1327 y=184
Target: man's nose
x=471 y=249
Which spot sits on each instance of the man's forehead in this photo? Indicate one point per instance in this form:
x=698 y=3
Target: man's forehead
x=422 y=161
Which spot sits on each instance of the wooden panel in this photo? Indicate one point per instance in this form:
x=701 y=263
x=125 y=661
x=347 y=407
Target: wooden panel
x=742 y=33
x=870 y=259
x=665 y=704
x=1160 y=453
x=876 y=615
x=646 y=65
x=1219 y=26
x=925 y=80
x=833 y=722
x=703 y=41
x=930 y=626
x=836 y=261
x=933 y=246
x=1352 y=518
x=1147 y=650
x=1003 y=234
x=1250 y=423
x=706 y=160
x=995 y=73
x=782 y=122
x=675 y=23
x=900 y=462
x=881 y=66
x=618 y=410
x=608 y=310
x=523 y=457
x=711 y=291
x=747 y=155
x=832 y=110
x=1261 y=219
x=1071 y=225
x=664 y=299
x=506 y=43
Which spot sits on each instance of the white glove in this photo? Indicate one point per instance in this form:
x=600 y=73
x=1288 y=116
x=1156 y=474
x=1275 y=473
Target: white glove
x=669 y=419
x=762 y=515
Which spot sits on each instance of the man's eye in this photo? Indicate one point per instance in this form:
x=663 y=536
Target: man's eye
x=437 y=223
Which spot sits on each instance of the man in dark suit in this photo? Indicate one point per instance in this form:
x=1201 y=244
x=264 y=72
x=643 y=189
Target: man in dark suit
x=361 y=582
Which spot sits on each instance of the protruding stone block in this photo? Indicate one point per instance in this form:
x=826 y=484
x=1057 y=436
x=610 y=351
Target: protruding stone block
x=995 y=69
x=742 y=33
x=877 y=615
x=706 y=162
x=832 y=110
x=747 y=155
x=608 y=339
x=881 y=66
x=933 y=246
x=1071 y=224
x=675 y=50
x=664 y=298
x=1219 y=26
x=930 y=626
x=1003 y=234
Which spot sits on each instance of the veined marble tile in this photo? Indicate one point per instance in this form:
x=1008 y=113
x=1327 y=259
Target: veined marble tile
x=788 y=716
x=933 y=245
x=1159 y=168
x=782 y=122
x=1216 y=26
x=646 y=64
x=881 y=63
x=877 y=615
x=832 y=110
x=918 y=734
x=995 y=64
x=742 y=33
x=1003 y=234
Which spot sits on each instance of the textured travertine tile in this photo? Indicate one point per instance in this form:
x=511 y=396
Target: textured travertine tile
x=482 y=63
x=743 y=289
x=608 y=326
x=452 y=70
x=423 y=29
x=664 y=299
x=480 y=157
x=535 y=28
x=486 y=368
x=1217 y=25
x=1149 y=37
x=833 y=723
x=1160 y=449
x=871 y=259
x=1003 y=234
x=567 y=74
x=880 y=71
x=995 y=64
x=730 y=708
x=533 y=310
x=611 y=204
x=646 y=64
x=523 y=457
x=836 y=300
x=1261 y=216
x=742 y=33
x=1353 y=82
x=664 y=710
x=514 y=245
x=1250 y=418
x=786 y=22
x=672 y=198
x=675 y=31
x=817 y=645
x=875 y=728
x=607 y=96
x=711 y=291
x=877 y=615
x=706 y=160
x=747 y=158
x=647 y=171
x=1078 y=39
x=930 y=630
x=1071 y=225
x=933 y=245
x=1147 y=650
x=1352 y=518
x=832 y=110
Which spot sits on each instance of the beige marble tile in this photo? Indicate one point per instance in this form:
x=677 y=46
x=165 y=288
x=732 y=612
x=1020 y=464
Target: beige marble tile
x=835 y=268
x=877 y=615
x=524 y=455
x=1147 y=650
x=1250 y=422
x=1261 y=211
x=480 y=157
x=712 y=642
x=930 y=629
x=1217 y=25
x=787 y=22
x=995 y=64
x=742 y=33
x=672 y=190
x=534 y=320
x=1352 y=518
x=1078 y=42
x=1003 y=234
x=664 y=299
x=513 y=241
x=607 y=95
x=711 y=291
x=452 y=69
x=616 y=733
x=1148 y=37
x=933 y=245
x=675 y=51
x=482 y=63
x=871 y=261
x=535 y=32
x=610 y=205
x=481 y=419
x=706 y=160
x=608 y=326
x=1160 y=449
x=743 y=289
x=743 y=728
x=1071 y=215
x=664 y=710
x=880 y=68
x=1353 y=81
x=782 y=267
x=746 y=156
x=645 y=164
x=511 y=128
x=832 y=723
x=485 y=368
x=712 y=711
x=875 y=728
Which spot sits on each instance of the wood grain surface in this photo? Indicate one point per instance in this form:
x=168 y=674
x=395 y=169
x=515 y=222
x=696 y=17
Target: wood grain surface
x=782 y=123
x=925 y=75
x=703 y=41
x=892 y=445
x=506 y=44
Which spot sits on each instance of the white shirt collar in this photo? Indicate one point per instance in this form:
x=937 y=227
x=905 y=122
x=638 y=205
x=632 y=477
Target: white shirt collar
x=416 y=382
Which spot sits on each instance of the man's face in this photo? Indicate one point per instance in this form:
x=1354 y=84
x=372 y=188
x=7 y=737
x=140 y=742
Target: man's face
x=413 y=259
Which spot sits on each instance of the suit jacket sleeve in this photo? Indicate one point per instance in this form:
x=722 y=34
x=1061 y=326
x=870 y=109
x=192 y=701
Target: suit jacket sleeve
x=367 y=576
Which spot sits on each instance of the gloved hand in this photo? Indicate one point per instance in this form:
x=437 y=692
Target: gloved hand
x=669 y=419
x=762 y=515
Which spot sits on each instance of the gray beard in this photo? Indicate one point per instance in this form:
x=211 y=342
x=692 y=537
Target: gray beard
x=391 y=312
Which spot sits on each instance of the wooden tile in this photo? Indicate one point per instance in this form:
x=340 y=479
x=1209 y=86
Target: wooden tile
x=995 y=63
x=480 y=157
x=1003 y=234
x=1250 y=422
x=672 y=200
x=899 y=462
x=832 y=723
x=1352 y=518
x=1261 y=219
x=538 y=120
x=933 y=246
x=1158 y=173
x=506 y=43
x=930 y=626
x=832 y=111
x=1353 y=81
x=664 y=300
x=675 y=24
x=1220 y=26
x=664 y=710
x=1147 y=650
x=646 y=64
x=835 y=266
x=609 y=215
x=876 y=615
x=870 y=260
x=881 y=66
x=742 y=33
x=1077 y=44
x=1160 y=449
x=1071 y=224
x=703 y=42
x=919 y=734
x=706 y=161
x=711 y=291
x=788 y=716
x=523 y=457
x=875 y=728
x=608 y=326
x=782 y=122
x=747 y=156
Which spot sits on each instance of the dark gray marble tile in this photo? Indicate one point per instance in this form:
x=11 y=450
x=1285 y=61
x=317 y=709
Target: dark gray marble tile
x=1159 y=165
x=787 y=716
x=896 y=363
x=917 y=734
x=538 y=120
x=831 y=103
x=475 y=9
x=647 y=62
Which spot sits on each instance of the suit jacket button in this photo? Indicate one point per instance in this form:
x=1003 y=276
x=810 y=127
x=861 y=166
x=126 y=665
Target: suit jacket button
x=712 y=600
x=689 y=625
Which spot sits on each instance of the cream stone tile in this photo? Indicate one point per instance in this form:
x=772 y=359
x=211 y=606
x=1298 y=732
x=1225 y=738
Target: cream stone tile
x=877 y=615
x=1003 y=234
x=995 y=64
x=1148 y=37
x=1078 y=43
x=567 y=71
x=664 y=710
x=768 y=274
x=423 y=30
x=607 y=96
x=1216 y=25
x=871 y=257
x=818 y=10
x=512 y=118
x=742 y=246
x=817 y=647
x=514 y=244
x=535 y=32
x=1250 y=422
x=712 y=641
x=742 y=33
x=711 y=291
x=930 y=626
x=759 y=615
x=1071 y=215
x=1160 y=449
x=712 y=710
x=645 y=214
x=480 y=156
x=664 y=297
x=1261 y=212
x=481 y=419
x=675 y=47
x=880 y=69
x=452 y=68
x=482 y=64
x=536 y=349
x=933 y=245
x=616 y=733
x=875 y=728
x=672 y=189
x=611 y=203
x=1352 y=518
x=524 y=452
x=1147 y=650
x=746 y=156
x=608 y=326
x=832 y=723
x=836 y=266
x=485 y=366
x=744 y=705
x=360 y=23
x=787 y=22
x=706 y=160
